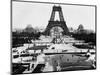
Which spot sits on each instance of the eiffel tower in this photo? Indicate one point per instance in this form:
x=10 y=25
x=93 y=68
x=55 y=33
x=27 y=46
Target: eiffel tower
x=52 y=23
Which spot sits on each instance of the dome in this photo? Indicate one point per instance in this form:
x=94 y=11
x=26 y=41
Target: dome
x=29 y=29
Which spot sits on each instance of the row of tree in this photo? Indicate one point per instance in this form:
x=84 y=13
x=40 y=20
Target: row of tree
x=88 y=38
x=18 y=39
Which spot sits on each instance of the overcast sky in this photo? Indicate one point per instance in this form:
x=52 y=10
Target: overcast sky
x=38 y=15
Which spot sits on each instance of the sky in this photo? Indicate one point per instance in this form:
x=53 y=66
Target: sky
x=38 y=15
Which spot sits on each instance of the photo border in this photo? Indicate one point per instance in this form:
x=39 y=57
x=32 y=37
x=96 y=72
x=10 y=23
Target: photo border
x=95 y=6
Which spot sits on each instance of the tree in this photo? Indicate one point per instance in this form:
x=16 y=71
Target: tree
x=80 y=28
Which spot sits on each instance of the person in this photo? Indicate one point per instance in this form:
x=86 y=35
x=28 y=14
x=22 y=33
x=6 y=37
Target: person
x=58 y=67
x=92 y=58
x=88 y=54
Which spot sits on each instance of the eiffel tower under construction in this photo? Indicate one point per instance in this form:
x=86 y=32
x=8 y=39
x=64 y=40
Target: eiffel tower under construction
x=52 y=23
